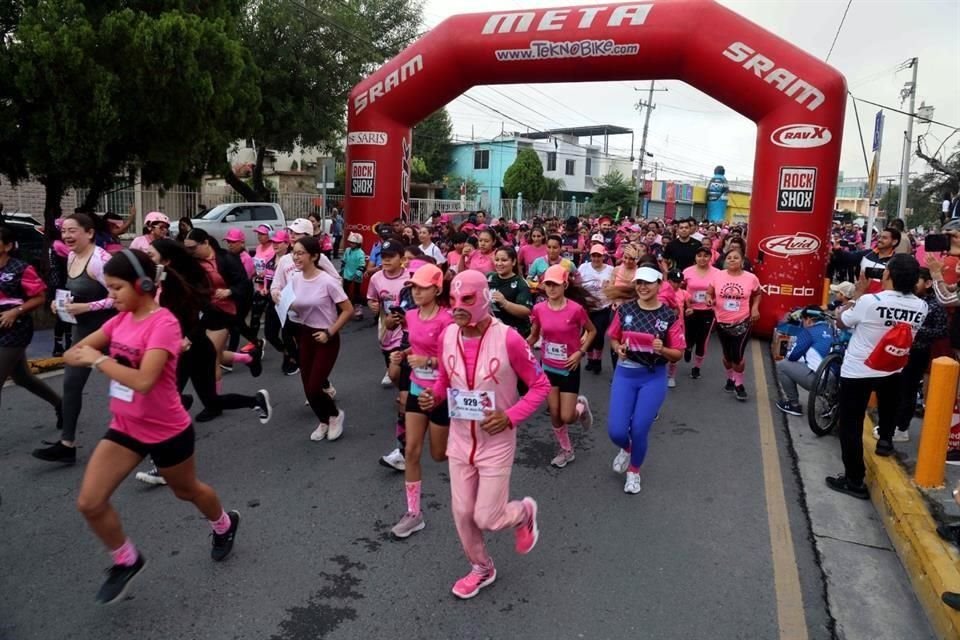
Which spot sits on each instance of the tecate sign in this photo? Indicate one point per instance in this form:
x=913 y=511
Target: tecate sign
x=801 y=136
x=372 y=138
x=790 y=245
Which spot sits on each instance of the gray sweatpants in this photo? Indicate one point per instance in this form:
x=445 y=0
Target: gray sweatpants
x=13 y=364
x=790 y=374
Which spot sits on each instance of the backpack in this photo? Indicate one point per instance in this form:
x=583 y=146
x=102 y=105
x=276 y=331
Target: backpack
x=893 y=350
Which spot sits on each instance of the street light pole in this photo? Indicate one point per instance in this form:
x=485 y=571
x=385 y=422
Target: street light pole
x=905 y=166
x=643 y=147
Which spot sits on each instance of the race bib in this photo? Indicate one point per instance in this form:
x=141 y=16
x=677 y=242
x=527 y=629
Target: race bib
x=120 y=392
x=464 y=404
x=425 y=373
x=259 y=266
x=555 y=351
x=641 y=343
x=731 y=305
x=700 y=296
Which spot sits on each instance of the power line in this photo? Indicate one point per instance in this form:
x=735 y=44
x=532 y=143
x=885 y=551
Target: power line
x=906 y=113
x=837 y=34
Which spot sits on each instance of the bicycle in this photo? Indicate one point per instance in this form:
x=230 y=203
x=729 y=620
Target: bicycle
x=823 y=402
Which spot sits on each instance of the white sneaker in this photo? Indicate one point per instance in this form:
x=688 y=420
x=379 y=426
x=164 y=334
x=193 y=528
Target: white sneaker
x=386 y=382
x=898 y=436
x=151 y=477
x=632 y=485
x=621 y=462
x=563 y=458
x=336 y=425
x=320 y=432
x=586 y=418
x=394 y=460
x=330 y=391
x=671 y=383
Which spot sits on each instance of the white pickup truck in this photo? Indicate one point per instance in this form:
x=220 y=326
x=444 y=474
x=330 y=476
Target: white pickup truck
x=242 y=215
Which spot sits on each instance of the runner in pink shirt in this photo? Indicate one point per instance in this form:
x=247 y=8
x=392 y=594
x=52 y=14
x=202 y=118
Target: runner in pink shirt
x=144 y=342
x=425 y=325
x=482 y=259
x=530 y=252
x=699 y=319
x=736 y=294
x=676 y=297
x=567 y=333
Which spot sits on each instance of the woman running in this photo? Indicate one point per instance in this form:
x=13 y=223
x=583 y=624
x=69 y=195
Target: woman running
x=91 y=306
x=144 y=341
x=426 y=325
x=676 y=297
x=481 y=363
x=21 y=291
x=323 y=309
x=562 y=321
x=596 y=275
x=482 y=259
x=510 y=293
x=646 y=335
x=264 y=264
x=699 y=319
x=735 y=295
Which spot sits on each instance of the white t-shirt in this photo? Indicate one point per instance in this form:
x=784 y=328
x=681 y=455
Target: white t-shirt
x=871 y=318
x=945 y=207
x=434 y=252
x=593 y=280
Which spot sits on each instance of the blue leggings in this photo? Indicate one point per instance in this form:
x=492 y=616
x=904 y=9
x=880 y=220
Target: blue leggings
x=635 y=400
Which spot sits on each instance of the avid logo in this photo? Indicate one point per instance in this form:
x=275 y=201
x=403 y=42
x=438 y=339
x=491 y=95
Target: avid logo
x=790 y=245
x=801 y=136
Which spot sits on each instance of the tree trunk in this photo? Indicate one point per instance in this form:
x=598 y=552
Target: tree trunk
x=259 y=187
x=239 y=185
x=98 y=185
x=53 y=193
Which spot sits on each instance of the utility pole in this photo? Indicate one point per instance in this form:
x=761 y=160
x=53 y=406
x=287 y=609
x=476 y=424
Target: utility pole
x=909 y=91
x=643 y=145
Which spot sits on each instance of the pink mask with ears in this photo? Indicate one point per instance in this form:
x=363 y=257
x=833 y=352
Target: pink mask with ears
x=471 y=283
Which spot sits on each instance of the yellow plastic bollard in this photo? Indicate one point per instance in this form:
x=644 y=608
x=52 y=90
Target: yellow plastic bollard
x=941 y=396
x=826 y=293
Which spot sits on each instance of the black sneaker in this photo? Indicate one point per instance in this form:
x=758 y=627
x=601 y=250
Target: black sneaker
x=256 y=365
x=118 y=579
x=951 y=599
x=223 y=542
x=207 y=415
x=729 y=387
x=57 y=350
x=263 y=408
x=793 y=408
x=843 y=485
x=740 y=392
x=186 y=400
x=953 y=457
x=950 y=533
x=687 y=355
x=884 y=448
x=695 y=373
x=57 y=452
x=289 y=368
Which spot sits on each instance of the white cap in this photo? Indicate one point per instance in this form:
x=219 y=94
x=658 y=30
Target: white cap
x=301 y=225
x=648 y=274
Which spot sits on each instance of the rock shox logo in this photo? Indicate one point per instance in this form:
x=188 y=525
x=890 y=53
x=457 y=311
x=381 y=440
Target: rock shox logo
x=796 y=189
x=787 y=246
x=363 y=178
x=801 y=136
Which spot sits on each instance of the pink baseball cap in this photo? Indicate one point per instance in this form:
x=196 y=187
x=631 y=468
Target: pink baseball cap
x=280 y=235
x=556 y=274
x=428 y=275
x=264 y=229
x=234 y=235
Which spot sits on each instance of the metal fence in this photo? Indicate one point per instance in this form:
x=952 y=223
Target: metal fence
x=547 y=208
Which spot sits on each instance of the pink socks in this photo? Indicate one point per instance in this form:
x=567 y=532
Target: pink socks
x=222 y=524
x=738 y=378
x=413 y=497
x=563 y=437
x=698 y=361
x=671 y=369
x=242 y=358
x=580 y=409
x=125 y=555
x=729 y=373
x=219 y=387
x=633 y=469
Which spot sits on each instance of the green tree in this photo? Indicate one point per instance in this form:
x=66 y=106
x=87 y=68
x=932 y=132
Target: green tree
x=310 y=54
x=525 y=176
x=613 y=190
x=96 y=88
x=433 y=143
x=452 y=187
x=552 y=189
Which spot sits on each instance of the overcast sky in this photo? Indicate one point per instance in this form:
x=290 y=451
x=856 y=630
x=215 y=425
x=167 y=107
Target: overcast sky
x=877 y=36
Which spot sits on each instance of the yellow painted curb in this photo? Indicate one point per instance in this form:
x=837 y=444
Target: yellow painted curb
x=39 y=365
x=932 y=564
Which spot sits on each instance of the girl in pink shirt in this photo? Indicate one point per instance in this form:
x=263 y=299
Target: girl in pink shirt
x=735 y=294
x=699 y=318
x=144 y=342
x=567 y=332
x=674 y=296
x=425 y=324
x=482 y=259
x=530 y=252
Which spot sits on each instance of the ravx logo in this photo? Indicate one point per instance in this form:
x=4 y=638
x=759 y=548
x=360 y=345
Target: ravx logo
x=630 y=15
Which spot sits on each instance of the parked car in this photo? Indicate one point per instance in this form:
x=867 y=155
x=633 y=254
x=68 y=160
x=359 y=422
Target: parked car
x=243 y=215
x=29 y=237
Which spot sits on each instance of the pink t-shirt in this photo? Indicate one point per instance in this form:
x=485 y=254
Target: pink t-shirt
x=157 y=415
x=560 y=331
x=528 y=253
x=453 y=261
x=316 y=299
x=732 y=294
x=386 y=290
x=482 y=262
x=425 y=340
x=140 y=243
x=697 y=286
x=247 y=262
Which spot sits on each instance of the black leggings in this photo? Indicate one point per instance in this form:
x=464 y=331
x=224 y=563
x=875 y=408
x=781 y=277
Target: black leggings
x=910 y=380
x=734 y=346
x=316 y=363
x=698 y=326
x=854 y=397
x=240 y=326
x=13 y=364
x=271 y=327
x=601 y=320
x=198 y=365
x=261 y=303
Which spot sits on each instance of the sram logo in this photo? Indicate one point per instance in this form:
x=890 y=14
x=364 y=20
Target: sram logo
x=801 y=136
x=783 y=79
x=787 y=246
x=393 y=79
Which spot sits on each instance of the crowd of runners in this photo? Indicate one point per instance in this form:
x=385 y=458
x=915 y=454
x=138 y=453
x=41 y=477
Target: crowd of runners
x=479 y=323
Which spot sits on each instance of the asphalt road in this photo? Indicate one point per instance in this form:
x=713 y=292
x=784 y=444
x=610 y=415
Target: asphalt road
x=690 y=557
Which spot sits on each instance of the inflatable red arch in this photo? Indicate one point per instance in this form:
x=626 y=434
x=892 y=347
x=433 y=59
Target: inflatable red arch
x=796 y=100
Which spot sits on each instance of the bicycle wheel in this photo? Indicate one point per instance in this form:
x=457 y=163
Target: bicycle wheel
x=823 y=403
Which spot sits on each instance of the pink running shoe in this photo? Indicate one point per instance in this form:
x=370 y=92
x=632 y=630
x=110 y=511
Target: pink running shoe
x=479 y=577
x=526 y=534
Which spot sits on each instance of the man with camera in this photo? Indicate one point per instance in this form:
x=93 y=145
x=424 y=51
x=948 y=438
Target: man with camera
x=875 y=261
